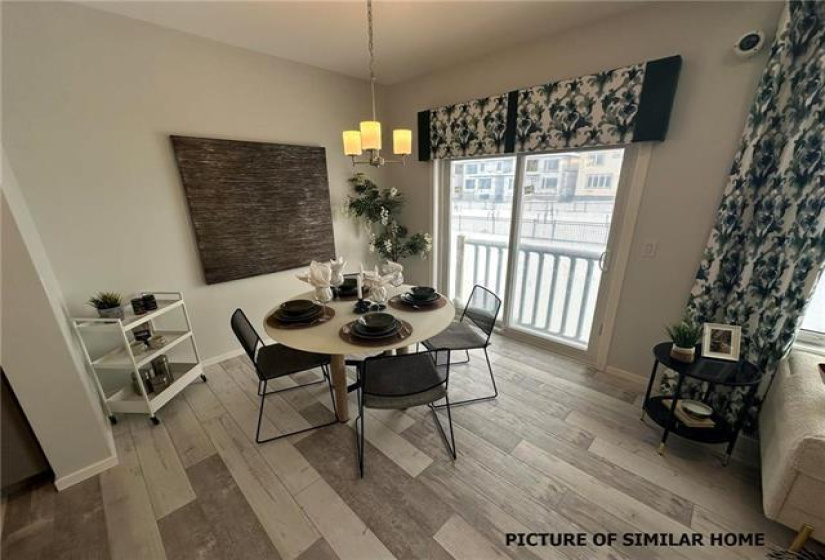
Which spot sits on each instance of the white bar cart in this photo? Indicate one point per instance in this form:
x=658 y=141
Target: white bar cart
x=123 y=359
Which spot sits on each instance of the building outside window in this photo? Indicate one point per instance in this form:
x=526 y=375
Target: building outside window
x=550 y=184
x=551 y=165
x=595 y=159
x=599 y=181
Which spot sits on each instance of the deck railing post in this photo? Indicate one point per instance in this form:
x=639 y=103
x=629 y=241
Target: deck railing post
x=459 y=265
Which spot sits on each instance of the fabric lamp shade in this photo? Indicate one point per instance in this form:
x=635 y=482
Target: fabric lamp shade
x=402 y=141
x=352 y=143
x=370 y=135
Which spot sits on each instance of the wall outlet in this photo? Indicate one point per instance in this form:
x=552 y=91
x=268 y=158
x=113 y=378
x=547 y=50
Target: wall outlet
x=649 y=249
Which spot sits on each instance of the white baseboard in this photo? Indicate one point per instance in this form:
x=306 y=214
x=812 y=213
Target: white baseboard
x=618 y=372
x=222 y=357
x=86 y=472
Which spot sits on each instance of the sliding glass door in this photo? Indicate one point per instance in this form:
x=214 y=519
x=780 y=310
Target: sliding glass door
x=480 y=220
x=535 y=229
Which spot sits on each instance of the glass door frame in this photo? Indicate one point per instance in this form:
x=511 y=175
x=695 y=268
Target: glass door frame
x=628 y=197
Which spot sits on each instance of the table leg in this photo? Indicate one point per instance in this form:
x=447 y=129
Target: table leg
x=672 y=418
x=649 y=388
x=339 y=384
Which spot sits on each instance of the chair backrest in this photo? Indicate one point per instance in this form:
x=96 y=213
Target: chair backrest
x=482 y=309
x=246 y=333
x=402 y=375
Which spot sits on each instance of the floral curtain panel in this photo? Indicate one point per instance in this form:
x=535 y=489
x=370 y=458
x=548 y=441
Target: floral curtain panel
x=614 y=107
x=767 y=249
x=474 y=128
x=597 y=110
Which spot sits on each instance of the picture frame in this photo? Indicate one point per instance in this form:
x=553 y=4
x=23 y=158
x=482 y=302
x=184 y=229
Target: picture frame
x=721 y=342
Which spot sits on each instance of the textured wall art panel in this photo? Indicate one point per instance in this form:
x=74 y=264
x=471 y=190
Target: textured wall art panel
x=255 y=207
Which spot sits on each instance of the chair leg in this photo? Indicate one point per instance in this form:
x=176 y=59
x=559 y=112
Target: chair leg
x=477 y=399
x=450 y=445
x=360 y=428
x=263 y=394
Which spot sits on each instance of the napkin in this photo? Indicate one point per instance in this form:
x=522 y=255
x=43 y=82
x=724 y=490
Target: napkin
x=318 y=275
x=337 y=265
x=395 y=270
x=374 y=279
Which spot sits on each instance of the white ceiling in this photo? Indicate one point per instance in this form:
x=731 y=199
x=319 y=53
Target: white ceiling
x=412 y=37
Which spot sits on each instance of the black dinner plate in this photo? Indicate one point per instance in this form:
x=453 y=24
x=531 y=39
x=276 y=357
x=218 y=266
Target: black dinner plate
x=407 y=298
x=298 y=307
x=359 y=331
x=305 y=318
x=347 y=290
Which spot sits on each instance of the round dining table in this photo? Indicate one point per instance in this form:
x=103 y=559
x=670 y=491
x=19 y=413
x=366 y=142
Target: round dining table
x=325 y=338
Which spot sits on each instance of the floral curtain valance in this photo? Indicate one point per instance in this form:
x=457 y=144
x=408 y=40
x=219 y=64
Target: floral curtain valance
x=630 y=104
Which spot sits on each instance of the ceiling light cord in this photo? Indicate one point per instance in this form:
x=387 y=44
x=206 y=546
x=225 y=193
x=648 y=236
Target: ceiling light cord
x=371 y=45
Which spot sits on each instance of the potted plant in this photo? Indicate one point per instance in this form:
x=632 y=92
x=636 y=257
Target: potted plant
x=380 y=210
x=685 y=336
x=108 y=305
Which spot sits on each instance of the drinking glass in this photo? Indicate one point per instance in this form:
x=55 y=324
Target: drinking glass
x=378 y=294
x=323 y=296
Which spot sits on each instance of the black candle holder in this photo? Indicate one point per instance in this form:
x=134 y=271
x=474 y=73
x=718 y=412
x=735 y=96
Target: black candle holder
x=362 y=306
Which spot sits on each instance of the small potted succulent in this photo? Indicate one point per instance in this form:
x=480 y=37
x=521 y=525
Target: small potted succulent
x=685 y=336
x=108 y=304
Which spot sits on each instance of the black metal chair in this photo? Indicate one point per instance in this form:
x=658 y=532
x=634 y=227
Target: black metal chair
x=400 y=382
x=275 y=361
x=481 y=311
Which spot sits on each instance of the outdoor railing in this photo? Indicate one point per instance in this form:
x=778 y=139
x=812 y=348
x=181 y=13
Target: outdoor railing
x=536 y=228
x=556 y=288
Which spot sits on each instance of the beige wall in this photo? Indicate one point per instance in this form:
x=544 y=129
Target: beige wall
x=687 y=171
x=89 y=100
x=39 y=356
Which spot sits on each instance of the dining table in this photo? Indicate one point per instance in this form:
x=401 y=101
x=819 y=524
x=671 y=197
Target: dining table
x=325 y=337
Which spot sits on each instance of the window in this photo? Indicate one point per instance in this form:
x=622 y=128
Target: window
x=812 y=333
x=551 y=165
x=550 y=184
x=595 y=159
x=561 y=207
x=599 y=181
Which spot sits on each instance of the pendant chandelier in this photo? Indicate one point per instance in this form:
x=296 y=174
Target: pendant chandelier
x=368 y=137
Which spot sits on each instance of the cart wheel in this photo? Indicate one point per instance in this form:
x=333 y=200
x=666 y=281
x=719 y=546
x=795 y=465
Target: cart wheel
x=155 y=420
x=112 y=419
x=203 y=376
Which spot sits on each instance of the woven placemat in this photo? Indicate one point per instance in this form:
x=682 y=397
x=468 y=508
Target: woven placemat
x=273 y=322
x=348 y=336
x=397 y=303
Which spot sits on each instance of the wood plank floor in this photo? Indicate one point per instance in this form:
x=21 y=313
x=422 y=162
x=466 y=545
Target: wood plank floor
x=561 y=450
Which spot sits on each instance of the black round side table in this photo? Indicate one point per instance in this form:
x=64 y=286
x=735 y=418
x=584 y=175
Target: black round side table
x=714 y=373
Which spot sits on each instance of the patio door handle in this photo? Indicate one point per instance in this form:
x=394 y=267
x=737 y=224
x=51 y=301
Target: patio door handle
x=604 y=261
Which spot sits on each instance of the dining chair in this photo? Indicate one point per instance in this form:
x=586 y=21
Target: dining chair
x=480 y=313
x=400 y=382
x=274 y=361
